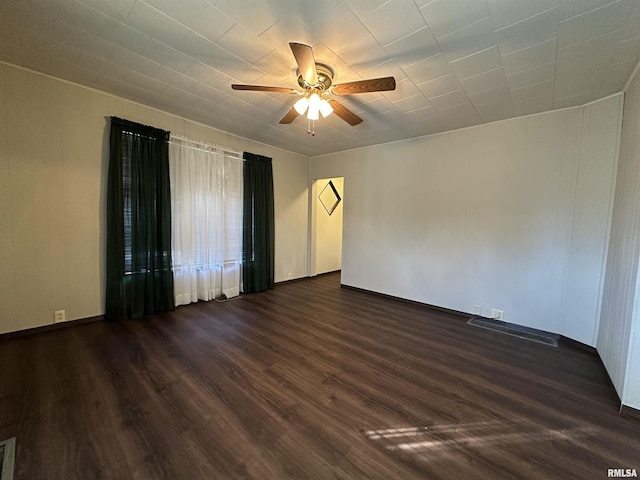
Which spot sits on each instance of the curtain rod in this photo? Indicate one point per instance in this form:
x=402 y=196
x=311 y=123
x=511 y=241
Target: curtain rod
x=202 y=142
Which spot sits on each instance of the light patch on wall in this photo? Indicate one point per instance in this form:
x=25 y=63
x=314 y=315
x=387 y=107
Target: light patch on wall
x=329 y=197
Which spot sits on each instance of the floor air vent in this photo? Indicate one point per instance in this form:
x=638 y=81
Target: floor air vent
x=515 y=330
x=7 y=458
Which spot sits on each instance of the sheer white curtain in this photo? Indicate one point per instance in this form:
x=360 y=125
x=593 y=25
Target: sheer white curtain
x=206 y=220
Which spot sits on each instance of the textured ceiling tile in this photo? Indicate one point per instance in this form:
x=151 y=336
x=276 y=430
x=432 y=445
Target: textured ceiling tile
x=633 y=23
x=617 y=77
x=134 y=61
x=88 y=19
x=424 y=113
x=508 y=12
x=256 y=20
x=209 y=53
x=572 y=101
x=73 y=12
x=245 y=106
x=210 y=93
x=520 y=95
x=413 y=47
x=469 y=40
x=207 y=75
x=394 y=20
x=533 y=105
x=29 y=15
x=305 y=12
x=74 y=72
x=530 y=57
x=598 y=47
x=492 y=112
x=542 y=73
x=86 y=41
x=118 y=9
x=280 y=34
x=445 y=17
x=362 y=7
x=584 y=78
x=529 y=32
x=380 y=105
x=449 y=100
x=484 y=81
x=415 y=102
x=176 y=79
x=571 y=8
x=62 y=50
x=594 y=23
x=339 y=28
x=11 y=42
x=279 y=66
x=440 y=86
x=364 y=53
x=428 y=69
x=404 y=88
x=268 y=103
x=156 y=24
x=461 y=111
x=627 y=51
x=386 y=69
x=484 y=60
x=78 y=38
x=497 y=94
x=242 y=43
x=201 y=17
x=464 y=121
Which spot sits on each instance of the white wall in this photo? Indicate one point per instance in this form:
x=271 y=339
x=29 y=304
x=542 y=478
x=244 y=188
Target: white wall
x=328 y=229
x=504 y=213
x=583 y=285
x=53 y=171
x=619 y=334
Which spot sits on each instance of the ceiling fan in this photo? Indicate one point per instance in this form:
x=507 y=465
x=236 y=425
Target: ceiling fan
x=316 y=81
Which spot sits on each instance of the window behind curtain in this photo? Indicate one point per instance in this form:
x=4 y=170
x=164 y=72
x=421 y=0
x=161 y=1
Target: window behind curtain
x=206 y=192
x=258 y=224
x=139 y=279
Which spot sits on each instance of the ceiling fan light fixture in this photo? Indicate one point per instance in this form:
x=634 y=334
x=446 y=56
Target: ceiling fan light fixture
x=314 y=107
x=301 y=105
x=316 y=79
x=325 y=108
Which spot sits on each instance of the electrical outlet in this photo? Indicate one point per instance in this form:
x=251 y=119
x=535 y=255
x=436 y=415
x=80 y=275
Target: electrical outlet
x=290 y=276
x=497 y=314
x=59 y=316
x=477 y=309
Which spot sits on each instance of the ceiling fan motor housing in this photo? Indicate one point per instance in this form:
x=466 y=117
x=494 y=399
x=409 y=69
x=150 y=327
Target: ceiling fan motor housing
x=325 y=78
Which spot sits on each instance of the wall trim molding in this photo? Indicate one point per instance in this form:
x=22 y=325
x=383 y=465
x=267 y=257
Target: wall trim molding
x=463 y=315
x=628 y=411
x=579 y=345
x=48 y=328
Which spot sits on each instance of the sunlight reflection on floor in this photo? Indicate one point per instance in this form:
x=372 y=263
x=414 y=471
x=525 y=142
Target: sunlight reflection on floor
x=458 y=437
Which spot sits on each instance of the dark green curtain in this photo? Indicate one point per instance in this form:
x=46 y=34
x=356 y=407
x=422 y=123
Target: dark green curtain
x=258 y=224
x=139 y=277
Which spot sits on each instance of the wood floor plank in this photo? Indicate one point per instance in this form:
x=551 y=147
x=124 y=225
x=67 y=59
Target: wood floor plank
x=307 y=381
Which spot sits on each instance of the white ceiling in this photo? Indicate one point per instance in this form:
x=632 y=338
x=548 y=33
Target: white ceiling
x=456 y=62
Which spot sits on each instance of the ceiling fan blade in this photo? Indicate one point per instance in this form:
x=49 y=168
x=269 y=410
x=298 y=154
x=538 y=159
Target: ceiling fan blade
x=365 y=86
x=289 y=117
x=345 y=114
x=260 y=88
x=306 y=62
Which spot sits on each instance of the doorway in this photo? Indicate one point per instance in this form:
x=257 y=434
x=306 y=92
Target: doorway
x=327 y=199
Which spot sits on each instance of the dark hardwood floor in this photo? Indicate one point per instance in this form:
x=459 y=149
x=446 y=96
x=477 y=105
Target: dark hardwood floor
x=307 y=381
